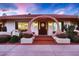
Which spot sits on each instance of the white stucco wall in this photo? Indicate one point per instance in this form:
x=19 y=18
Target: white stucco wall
x=50 y=29
x=34 y=28
x=53 y=27
x=10 y=26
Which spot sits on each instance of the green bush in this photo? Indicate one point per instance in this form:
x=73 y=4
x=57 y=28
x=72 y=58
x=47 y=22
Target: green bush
x=14 y=39
x=63 y=35
x=70 y=30
x=4 y=38
x=71 y=34
x=75 y=39
x=26 y=35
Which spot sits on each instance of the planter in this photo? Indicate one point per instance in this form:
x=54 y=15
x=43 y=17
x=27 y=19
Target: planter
x=62 y=40
x=4 y=37
x=27 y=40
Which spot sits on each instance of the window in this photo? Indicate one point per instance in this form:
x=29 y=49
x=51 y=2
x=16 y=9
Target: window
x=55 y=26
x=1 y=23
x=22 y=25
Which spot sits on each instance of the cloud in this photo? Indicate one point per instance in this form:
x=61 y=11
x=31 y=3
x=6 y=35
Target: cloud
x=9 y=12
x=7 y=8
x=21 y=8
x=65 y=10
x=25 y=8
x=41 y=8
x=59 y=11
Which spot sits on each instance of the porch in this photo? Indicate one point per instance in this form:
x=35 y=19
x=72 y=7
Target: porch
x=40 y=25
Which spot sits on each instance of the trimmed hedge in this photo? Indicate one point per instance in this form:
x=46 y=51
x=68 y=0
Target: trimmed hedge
x=26 y=35
x=4 y=38
x=75 y=39
x=62 y=35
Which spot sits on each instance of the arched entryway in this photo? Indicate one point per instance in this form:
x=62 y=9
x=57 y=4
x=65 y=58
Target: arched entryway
x=43 y=16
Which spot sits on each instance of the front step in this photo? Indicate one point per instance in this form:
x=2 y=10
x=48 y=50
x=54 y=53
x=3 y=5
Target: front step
x=44 y=40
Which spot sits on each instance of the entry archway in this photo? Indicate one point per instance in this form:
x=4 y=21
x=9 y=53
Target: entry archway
x=44 y=16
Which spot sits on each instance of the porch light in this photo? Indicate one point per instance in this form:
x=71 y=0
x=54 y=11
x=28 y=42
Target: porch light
x=35 y=24
x=50 y=24
x=0 y=22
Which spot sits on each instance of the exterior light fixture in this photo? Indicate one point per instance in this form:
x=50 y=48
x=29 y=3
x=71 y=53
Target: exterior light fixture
x=50 y=24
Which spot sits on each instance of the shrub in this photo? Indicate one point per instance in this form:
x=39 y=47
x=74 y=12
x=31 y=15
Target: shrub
x=14 y=39
x=4 y=38
x=62 y=35
x=70 y=30
x=26 y=35
x=75 y=39
x=71 y=34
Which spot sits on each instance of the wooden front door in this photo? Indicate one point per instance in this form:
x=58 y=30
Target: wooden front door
x=42 y=28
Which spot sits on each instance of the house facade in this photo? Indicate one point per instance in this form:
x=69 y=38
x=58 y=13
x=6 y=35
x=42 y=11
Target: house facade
x=40 y=24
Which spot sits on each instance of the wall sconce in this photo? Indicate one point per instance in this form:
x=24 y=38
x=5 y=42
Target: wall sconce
x=35 y=24
x=50 y=24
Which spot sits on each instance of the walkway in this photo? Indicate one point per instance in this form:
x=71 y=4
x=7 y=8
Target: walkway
x=39 y=50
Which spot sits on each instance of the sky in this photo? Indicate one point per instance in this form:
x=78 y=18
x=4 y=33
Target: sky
x=39 y=8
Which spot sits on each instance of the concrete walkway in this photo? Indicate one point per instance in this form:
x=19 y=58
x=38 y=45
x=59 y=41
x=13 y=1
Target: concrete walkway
x=39 y=50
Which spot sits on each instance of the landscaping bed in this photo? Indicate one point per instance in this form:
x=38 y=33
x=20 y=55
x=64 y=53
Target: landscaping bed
x=4 y=38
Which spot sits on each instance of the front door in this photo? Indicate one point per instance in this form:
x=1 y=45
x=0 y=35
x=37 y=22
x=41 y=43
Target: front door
x=42 y=28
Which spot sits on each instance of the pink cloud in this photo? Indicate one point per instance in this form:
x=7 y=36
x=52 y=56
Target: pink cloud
x=23 y=7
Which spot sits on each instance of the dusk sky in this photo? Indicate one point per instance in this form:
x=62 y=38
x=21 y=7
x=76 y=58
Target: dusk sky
x=39 y=8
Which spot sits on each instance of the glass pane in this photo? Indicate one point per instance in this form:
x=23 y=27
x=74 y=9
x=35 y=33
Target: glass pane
x=55 y=26
x=22 y=25
x=60 y=25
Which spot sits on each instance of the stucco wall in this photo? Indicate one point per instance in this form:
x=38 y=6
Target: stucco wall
x=34 y=28
x=50 y=29
x=10 y=26
x=53 y=27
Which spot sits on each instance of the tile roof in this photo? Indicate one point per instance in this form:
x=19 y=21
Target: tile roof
x=35 y=15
